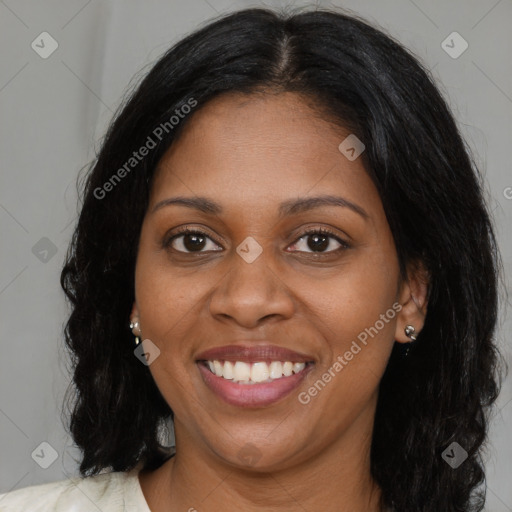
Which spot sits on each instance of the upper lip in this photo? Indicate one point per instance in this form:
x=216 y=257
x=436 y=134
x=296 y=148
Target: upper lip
x=253 y=354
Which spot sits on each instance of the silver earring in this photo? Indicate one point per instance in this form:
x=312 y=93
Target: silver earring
x=135 y=325
x=410 y=333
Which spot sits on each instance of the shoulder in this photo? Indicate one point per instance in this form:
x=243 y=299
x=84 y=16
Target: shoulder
x=109 y=492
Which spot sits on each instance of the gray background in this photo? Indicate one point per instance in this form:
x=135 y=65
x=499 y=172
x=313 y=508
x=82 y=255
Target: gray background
x=53 y=113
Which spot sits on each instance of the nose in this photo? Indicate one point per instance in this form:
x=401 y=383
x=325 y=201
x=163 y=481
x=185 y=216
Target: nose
x=251 y=293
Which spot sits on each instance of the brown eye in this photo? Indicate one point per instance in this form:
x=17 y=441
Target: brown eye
x=188 y=241
x=319 y=241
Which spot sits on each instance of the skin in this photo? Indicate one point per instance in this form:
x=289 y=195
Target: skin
x=249 y=154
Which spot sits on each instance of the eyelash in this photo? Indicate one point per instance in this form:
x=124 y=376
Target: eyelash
x=312 y=231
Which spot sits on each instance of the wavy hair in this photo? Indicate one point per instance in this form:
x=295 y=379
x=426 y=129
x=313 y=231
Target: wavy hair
x=433 y=195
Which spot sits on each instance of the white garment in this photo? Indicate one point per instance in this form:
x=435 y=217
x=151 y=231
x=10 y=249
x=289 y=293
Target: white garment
x=108 y=492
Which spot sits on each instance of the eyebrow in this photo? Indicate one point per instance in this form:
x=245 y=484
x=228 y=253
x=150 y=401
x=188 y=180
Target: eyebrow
x=289 y=207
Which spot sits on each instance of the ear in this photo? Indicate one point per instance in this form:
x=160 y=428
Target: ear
x=135 y=311
x=413 y=297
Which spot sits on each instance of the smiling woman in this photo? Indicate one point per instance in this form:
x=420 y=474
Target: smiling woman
x=309 y=262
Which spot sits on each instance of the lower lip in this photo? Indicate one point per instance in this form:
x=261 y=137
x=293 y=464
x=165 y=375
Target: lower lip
x=252 y=395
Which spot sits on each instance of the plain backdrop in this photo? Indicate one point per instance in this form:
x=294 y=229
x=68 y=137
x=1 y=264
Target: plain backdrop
x=53 y=112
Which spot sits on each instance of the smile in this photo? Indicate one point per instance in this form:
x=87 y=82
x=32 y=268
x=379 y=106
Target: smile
x=246 y=392
x=252 y=374
x=246 y=373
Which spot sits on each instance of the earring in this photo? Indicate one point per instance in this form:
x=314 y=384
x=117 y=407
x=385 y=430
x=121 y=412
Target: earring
x=134 y=326
x=410 y=333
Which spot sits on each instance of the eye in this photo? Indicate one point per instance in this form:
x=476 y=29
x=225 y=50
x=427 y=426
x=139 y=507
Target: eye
x=317 y=240
x=191 y=240
x=320 y=240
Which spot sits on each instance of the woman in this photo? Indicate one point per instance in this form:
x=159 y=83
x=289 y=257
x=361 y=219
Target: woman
x=283 y=248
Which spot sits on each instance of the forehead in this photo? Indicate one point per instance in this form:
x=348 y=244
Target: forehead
x=260 y=149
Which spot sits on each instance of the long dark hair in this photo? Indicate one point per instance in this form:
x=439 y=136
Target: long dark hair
x=432 y=194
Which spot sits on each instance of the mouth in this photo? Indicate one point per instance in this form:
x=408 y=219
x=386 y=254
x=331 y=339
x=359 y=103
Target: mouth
x=256 y=376
x=252 y=373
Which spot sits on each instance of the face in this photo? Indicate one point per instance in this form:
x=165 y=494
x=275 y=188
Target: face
x=289 y=281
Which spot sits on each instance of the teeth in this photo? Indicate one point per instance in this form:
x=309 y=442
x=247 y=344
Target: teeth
x=246 y=373
x=259 y=372
x=227 y=371
x=241 y=371
x=287 y=369
x=298 y=367
x=276 y=369
x=217 y=368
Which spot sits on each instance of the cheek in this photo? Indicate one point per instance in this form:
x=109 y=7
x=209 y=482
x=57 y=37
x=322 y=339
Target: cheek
x=172 y=304
x=168 y=304
x=356 y=311
x=348 y=303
